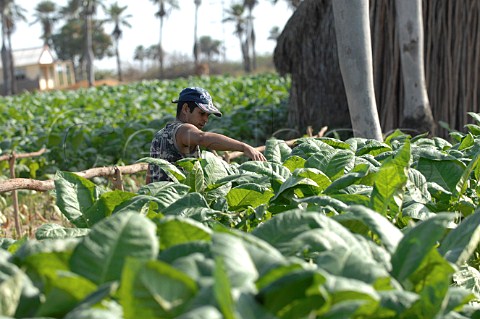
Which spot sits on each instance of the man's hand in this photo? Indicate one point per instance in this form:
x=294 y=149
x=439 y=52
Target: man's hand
x=253 y=153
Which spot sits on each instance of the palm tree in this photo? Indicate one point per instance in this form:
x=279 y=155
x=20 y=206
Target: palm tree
x=89 y=11
x=274 y=33
x=72 y=10
x=235 y=15
x=115 y=15
x=45 y=14
x=163 y=12
x=10 y=13
x=195 y=36
x=417 y=111
x=153 y=52
x=6 y=61
x=140 y=54
x=250 y=4
x=357 y=67
x=209 y=46
x=86 y=10
x=14 y=13
x=291 y=3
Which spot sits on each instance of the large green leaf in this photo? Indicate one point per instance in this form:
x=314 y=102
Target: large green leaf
x=332 y=254
x=171 y=170
x=202 y=312
x=247 y=306
x=246 y=195
x=145 y=205
x=324 y=202
x=100 y=256
x=170 y=255
x=105 y=205
x=272 y=170
x=214 y=168
x=390 y=180
x=300 y=186
x=276 y=151
x=153 y=289
x=223 y=290
x=176 y=230
x=108 y=310
x=460 y=243
x=333 y=163
x=163 y=194
x=203 y=215
x=431 y=280
x=296 y=295
x=281 y=230
x=164 y=189
x=294 y=162
x=55 y=231
x=345 y=181
x=462 y=184
x=446 y=173
x=191 y=200
x=358 y=298
x=416 y=187
x=245 y=257
x=10 y=288
x=315 y=175
x=458 y=297
x=417 y=211
x=33 y=247
x=65 y=292
x=43 y=268
x=198 y=265
x=75 y=195
x=306 y=147
x=353 y=199
x=372 y=147
x=397 y=301
x=468 y=277
x=416 y=244
x=335 y=143
x=388 y=234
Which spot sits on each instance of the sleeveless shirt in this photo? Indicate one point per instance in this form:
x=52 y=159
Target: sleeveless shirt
x=164 y=146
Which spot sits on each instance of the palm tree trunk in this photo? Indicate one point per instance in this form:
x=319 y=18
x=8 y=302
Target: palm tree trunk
x=12 y=64
x=119 y=64
x=195 y=37
x=254 y=52
x=246 y=57
x=416 y=111
x=89 y=49
x=352 y=28
x=7 y=82
x=249 y=40
x=160 y=49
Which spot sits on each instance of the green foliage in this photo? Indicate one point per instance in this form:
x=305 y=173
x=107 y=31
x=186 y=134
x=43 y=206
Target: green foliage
x=327 y=229
x=105 y=126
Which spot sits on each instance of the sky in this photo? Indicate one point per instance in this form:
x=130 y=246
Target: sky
x=177 y=28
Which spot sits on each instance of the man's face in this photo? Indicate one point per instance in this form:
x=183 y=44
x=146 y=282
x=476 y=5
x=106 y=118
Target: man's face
x=198 y=117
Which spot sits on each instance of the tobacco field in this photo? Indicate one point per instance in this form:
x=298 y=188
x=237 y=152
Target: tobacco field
x=326 y=228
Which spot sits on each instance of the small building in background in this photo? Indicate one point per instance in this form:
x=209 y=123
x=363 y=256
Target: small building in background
x=38 y=69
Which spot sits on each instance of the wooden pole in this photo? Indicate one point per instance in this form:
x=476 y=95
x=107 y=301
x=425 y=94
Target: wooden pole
x=18 y=226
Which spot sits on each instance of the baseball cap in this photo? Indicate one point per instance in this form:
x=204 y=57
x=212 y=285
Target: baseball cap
x=201 y=98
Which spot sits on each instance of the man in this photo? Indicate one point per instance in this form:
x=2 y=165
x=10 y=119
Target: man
x=184 y=137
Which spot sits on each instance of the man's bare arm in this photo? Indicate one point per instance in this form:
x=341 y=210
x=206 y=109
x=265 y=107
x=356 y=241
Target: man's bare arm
x=189 y=135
